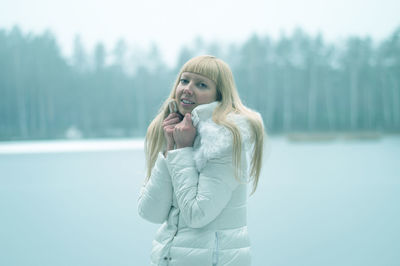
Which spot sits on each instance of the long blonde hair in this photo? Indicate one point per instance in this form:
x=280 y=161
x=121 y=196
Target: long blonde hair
x=229 y=102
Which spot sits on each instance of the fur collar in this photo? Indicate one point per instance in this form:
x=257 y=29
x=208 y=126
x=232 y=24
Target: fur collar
x=213 y=140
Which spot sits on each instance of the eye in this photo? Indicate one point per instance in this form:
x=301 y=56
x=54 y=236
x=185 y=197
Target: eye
x=184 y=81
x=203 y=85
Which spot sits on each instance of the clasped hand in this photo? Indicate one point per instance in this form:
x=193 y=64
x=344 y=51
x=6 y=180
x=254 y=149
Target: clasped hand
x=178 y=131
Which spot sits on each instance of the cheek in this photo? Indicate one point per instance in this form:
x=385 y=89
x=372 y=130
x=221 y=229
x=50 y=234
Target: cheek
x=207 y=97
x=213 y=95
x=177 y=92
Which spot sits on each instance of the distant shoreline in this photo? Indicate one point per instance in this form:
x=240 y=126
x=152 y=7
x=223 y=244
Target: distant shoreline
x=92 y=145
x=331 y=136
x=55 y=146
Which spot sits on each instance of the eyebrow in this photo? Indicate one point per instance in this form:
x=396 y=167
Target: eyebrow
x=194 y=77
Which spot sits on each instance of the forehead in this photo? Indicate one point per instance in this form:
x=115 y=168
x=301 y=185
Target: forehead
x=196 y=76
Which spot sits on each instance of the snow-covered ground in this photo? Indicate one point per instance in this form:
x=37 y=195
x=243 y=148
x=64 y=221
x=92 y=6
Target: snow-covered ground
x=318 y=204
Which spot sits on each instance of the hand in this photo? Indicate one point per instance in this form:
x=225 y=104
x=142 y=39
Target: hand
x=184 y=132
x=169 y=124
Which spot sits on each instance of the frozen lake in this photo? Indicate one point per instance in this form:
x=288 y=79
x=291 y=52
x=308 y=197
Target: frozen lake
x=318 y=204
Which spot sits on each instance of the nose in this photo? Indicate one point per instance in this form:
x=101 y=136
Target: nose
x=188 y=89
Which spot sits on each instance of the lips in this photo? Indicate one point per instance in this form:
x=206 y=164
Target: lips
x=186 y=101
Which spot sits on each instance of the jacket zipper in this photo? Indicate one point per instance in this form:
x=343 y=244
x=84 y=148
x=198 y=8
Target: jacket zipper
x=215 y=253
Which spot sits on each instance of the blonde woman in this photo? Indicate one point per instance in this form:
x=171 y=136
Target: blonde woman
x=201 y=149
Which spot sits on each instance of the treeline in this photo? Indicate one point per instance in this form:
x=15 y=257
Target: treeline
x=299 y=83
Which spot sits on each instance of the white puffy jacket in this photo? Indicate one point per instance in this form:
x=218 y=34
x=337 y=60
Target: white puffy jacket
x=194 y=193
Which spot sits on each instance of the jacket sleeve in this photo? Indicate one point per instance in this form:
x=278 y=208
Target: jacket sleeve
x=155 y=198
x=201 y=196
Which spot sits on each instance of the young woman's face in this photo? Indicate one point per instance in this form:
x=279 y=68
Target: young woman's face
x=193 y=90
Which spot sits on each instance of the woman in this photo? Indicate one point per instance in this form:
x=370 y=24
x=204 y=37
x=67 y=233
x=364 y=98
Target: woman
x=198 y=152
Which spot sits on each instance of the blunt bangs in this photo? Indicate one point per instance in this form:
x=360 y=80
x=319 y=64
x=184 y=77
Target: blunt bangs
x=203 y=65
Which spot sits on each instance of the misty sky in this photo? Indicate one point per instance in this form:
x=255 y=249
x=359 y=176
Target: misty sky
x=174 y=23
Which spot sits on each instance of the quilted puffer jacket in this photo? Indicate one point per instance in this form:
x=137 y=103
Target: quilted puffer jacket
x=194 y=194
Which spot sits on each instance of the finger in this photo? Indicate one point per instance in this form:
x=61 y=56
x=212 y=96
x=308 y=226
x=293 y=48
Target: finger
x=187 y=120
x=172 y=121
x=172 y=115
x=168 y=129
x=169 y=126
x=167 y=121
x=178 y=128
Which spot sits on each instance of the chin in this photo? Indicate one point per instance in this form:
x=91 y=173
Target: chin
x=183 y=112
x=186 y=110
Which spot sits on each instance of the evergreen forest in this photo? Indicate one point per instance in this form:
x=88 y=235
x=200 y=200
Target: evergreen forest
x=298 y=82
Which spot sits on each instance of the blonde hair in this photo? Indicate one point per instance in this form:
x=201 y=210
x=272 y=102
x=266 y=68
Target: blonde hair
x=229 y=102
